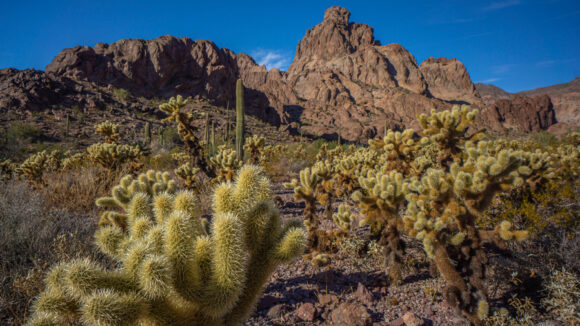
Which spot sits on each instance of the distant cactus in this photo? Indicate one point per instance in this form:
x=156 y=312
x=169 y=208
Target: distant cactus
x=7 y=169
x=176 y=268
x=254 y=146
x=109 y=130
x=187 y=173
x=187 y=131
x=240 y=120
x=147 y=134
x=226 y=164
x=113 y=156
x=34 y=167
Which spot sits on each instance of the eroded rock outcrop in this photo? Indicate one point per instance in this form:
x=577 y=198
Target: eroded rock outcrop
x=342 y=80
x=449 y=80
x=526 y=113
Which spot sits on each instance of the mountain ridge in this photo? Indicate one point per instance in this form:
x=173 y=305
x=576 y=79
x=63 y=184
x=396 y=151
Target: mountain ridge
x=341 y=81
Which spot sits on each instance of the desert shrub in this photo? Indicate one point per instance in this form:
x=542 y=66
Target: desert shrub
x=18 y=137
x=76 y=190
x=563 y=296
x=121 y=94
x=30 y=234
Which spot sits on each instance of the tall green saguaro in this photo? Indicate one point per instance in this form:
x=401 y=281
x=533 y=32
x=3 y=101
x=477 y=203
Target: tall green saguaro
x=147 y=134
x=240 y=120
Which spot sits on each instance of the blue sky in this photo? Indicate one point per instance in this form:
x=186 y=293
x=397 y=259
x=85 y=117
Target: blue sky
x=514 y=44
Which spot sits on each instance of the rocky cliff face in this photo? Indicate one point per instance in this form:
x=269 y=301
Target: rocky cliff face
x=449 y=80
x=526 y=113
x=342 y=80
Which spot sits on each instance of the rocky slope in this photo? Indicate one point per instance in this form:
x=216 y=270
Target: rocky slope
x=565 y=98
x=342 y=81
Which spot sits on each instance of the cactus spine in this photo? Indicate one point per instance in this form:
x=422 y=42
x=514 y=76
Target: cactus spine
x=175 y=268
x=240 y=119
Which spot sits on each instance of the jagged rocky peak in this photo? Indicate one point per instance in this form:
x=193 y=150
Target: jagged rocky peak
x=164 y=66
x=449 y=80
x=335 y=36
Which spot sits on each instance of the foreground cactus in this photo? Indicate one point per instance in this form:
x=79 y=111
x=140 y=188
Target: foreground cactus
x=175 y=268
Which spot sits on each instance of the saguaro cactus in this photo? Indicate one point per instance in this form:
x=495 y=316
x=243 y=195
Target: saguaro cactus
x=176 y=268
x=240 y=119
x=147 y=134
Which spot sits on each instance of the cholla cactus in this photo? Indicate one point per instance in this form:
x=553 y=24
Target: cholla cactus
x=343 y=218
x=151 y=184
x=226 y=164
x=188 y=174
x=380 y=198
x=442 y=209
x=174 y=268
x=7 y=169
x=109 y=130
x=74 y=161
x=34 y=167
x=113 y=156
x=255 y=146
x=448 y=129
x=187 y=132
x=180 y=157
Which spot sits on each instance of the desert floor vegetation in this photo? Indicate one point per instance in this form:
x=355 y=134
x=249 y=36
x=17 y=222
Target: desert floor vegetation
x=443 y=225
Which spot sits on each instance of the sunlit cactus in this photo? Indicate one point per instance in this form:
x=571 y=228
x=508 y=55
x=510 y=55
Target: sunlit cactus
x=188 y=174
x=113 y=156
x=226 y=164
x=443 y=206
x=254 y=146
x=187 y=131
x=109 y=130
x=34 y=167
x=74 y=161
x=380 y=198
x=448 y=129
x=119 y=204
x=174 y=267
x=343 y=218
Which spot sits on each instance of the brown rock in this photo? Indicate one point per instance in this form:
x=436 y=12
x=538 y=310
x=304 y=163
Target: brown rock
x=327 y=299
x=307 y=311
x=448 y=80
x=351 y=314
x=410 y=319
x=526 y=113
x=277 y=311
x=362 y=294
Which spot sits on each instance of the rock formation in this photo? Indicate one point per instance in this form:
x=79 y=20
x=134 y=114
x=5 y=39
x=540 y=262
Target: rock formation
x=448 y=80
x=342 y=81
x=526 y=113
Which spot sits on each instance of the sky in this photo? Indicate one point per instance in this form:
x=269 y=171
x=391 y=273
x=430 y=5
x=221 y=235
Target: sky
x=514 y=44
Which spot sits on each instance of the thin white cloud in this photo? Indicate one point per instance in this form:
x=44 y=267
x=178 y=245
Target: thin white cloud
x=272 y=58
x=502 y=69
x=490 y=80
x=546 y=63
x=501 y=5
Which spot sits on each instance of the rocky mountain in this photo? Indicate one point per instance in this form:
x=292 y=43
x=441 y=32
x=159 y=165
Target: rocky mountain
x=490 y=93
x=342 y=81
x=565 y=98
